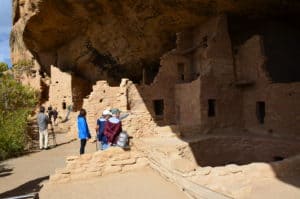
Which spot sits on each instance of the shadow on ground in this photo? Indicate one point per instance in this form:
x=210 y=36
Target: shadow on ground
x=5 y=171
x=31 y=186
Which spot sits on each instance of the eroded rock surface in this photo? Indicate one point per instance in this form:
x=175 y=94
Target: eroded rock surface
x=98 y=37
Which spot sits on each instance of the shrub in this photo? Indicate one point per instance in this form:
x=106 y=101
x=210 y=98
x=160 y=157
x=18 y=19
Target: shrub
x=23 y=65
x=16 y=101
x=3 y=67
x=12 y=133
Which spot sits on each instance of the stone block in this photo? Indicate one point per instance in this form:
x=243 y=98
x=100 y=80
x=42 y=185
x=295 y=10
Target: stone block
x=54 y=177
x=72 y=158
x=93 y=168
x=112 y=151
x=78 y=170
x=71 y=165
x=59 y=178
x=62 y=171
x=183 y=166
x=234 y=168
x=64 y=180
x=90 y=174
x=142 y=162
x=99 y=160
x=136 y=154
x=87 y=156
x=204 y=170
x=111 y=169
x=132 y=167
x=78 y=176
x=221 y=171
x=122 y=156
x=123 y=162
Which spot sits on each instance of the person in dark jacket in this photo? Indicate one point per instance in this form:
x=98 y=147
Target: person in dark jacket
x=101 y=122
x=83 y=130
x=50 y=113
x=113 y=127
x=64 y=105
x=55 y=114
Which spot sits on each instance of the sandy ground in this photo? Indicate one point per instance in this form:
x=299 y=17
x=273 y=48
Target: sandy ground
x=27 y=173
x=31 y=172
x=144 y=184
x=275 y=189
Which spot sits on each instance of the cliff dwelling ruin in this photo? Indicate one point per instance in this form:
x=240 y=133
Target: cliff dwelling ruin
x=222 y=76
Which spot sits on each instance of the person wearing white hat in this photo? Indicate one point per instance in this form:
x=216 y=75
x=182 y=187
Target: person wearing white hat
x=102 y=139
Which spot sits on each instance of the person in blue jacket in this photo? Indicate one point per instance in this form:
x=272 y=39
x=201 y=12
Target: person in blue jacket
x=83 y=130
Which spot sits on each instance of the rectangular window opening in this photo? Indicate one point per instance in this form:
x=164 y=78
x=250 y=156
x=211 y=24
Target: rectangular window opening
x=261 y=111
x=158 y=107
x=211 y=108
x=180 y=71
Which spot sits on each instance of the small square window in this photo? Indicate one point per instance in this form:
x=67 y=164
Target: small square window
x=158 y=107
x=211 y=108
x=261 y=111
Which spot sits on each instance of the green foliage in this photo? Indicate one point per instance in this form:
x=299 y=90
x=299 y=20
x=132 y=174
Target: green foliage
x=3 y=67
x=16 y=101
x=13 y=95
x=12 y=133
x=23 y=65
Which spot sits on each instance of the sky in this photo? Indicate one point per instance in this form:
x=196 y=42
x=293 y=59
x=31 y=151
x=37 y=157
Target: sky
x=5 y=27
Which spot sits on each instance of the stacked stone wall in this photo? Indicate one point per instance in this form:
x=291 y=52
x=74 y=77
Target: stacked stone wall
x=101 y=98
x=60 y=88
x=126 y=97
x=281 y=99
x=112 y=160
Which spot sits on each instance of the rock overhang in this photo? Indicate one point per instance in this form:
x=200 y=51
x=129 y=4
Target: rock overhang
x=76 y=35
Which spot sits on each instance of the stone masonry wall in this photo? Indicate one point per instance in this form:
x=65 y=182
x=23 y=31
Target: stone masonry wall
x=60 y=88
x=188 y=109
x=217 y=77
x=112 y=160
x=138 y=123
x=163 y=87
x=281 y=99
x=103 y=97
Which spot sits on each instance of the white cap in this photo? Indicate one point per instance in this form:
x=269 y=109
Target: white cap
x=106 y=112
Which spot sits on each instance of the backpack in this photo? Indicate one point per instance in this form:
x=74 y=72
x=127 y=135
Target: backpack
x=122 y=139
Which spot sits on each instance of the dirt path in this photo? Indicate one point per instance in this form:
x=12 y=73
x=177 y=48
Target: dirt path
x=27 y=173
x=144 y=184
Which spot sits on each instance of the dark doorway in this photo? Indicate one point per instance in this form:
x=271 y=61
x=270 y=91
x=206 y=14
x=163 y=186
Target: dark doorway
x=180 y=72
x=260 y=111
x=178 y=114
x=81 y=88
x=211 y=108
x=44 y=92
x=280 y=43
x=159 y=108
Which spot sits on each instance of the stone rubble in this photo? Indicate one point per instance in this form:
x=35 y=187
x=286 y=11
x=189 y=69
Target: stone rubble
x=100 y=163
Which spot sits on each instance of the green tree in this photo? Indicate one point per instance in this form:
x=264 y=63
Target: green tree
x=16 y=102
x=3 y=67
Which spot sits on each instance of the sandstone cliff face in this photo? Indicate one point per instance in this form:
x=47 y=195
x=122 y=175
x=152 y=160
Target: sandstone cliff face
x=102 y=39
